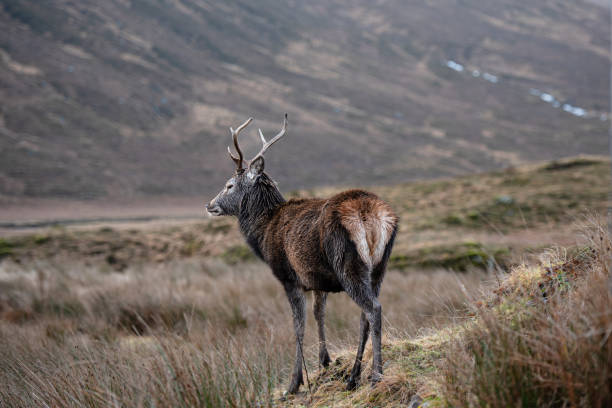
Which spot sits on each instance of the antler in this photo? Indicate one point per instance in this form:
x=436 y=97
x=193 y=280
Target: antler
x=238 y=160
x=267 y=144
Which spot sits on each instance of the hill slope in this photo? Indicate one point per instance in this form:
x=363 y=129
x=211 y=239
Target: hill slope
x=539 y=337
x=472 y=221
x=475 y=309
x=182 y=314
x=135 y=97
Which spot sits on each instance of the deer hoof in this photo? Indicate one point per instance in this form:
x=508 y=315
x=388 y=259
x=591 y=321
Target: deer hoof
x=351 y=384
x=324 y=359
x=375 y=378
x=295 y=385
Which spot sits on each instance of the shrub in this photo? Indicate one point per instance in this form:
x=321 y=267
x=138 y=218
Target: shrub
x=543 y=342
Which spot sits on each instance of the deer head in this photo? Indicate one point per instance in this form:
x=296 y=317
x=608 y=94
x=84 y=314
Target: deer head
x=227 y=202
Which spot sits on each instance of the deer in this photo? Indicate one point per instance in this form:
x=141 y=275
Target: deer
x=338 y=244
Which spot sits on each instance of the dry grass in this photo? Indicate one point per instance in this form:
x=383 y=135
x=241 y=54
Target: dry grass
x=539 y=336
x=205 y=333
x=545 y=342
x=185 y=333
x=183 y=315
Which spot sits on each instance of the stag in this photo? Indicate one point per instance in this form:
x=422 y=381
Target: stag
x=337 y=244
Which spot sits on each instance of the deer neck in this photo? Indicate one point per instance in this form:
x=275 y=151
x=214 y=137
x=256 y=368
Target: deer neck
x=256 y=211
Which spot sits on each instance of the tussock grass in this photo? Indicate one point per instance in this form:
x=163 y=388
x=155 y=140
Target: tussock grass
x=183 y=333
x=537 y=337
x=545 y=341
x=137 y=371
x=183 y=316
x=205 y=333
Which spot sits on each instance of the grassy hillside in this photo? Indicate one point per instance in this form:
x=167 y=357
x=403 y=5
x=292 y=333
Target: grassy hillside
x=133 y=98
x=479 y=220
x=476 y=306
x=539 y=337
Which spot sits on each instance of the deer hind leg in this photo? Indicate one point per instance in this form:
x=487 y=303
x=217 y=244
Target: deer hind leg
x=319 y=313
x=298 y=302
x=364 y=329
x=355 y=278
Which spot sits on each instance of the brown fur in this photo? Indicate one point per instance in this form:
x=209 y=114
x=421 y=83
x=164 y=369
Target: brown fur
x=299 y=227
x=337 y=244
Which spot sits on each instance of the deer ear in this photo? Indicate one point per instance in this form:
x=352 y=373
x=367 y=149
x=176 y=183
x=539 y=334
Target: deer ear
x=256 y=168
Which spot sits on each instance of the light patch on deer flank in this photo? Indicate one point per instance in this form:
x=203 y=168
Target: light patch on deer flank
x=370 y=227
x=358 y=236
x=384 y=223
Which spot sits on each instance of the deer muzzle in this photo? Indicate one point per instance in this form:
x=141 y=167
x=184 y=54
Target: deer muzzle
x=213 y=209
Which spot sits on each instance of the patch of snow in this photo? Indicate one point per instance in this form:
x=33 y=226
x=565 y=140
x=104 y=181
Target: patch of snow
x=574 y=110
x=490 y=77
x=546 y=97
x=535 y=92
x=454 y=66
x=504 y=199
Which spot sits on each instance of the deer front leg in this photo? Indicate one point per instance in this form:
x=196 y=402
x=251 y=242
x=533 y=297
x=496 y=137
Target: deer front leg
x=297 y=301
x=319 y=313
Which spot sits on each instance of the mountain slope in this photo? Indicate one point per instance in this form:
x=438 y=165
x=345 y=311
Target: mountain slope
x=135 y=97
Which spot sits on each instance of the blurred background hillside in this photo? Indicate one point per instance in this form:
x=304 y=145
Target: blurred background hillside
x=133 y=98
x=483 y=123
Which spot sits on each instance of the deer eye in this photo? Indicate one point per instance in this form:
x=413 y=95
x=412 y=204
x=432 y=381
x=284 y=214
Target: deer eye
x=229 y=186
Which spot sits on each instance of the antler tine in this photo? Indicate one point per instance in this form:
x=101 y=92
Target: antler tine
x=267 y=144
x=238 y=160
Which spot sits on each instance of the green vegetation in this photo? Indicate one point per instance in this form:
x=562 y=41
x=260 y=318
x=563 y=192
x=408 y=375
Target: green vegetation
x=540 y=341
x=568 y=164
x=451 y=220
x=173 y=315
x=41 y=239
x=7 y=247
x=192 y=245
x=217 y=227
x=238 y=253
x=458 y=257
x=540 y=337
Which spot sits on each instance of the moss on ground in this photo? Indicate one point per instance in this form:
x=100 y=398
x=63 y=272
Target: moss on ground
x=549 y=196
x=419 y=366
x=6 y=248
x=457 y=256
x=237 y=254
